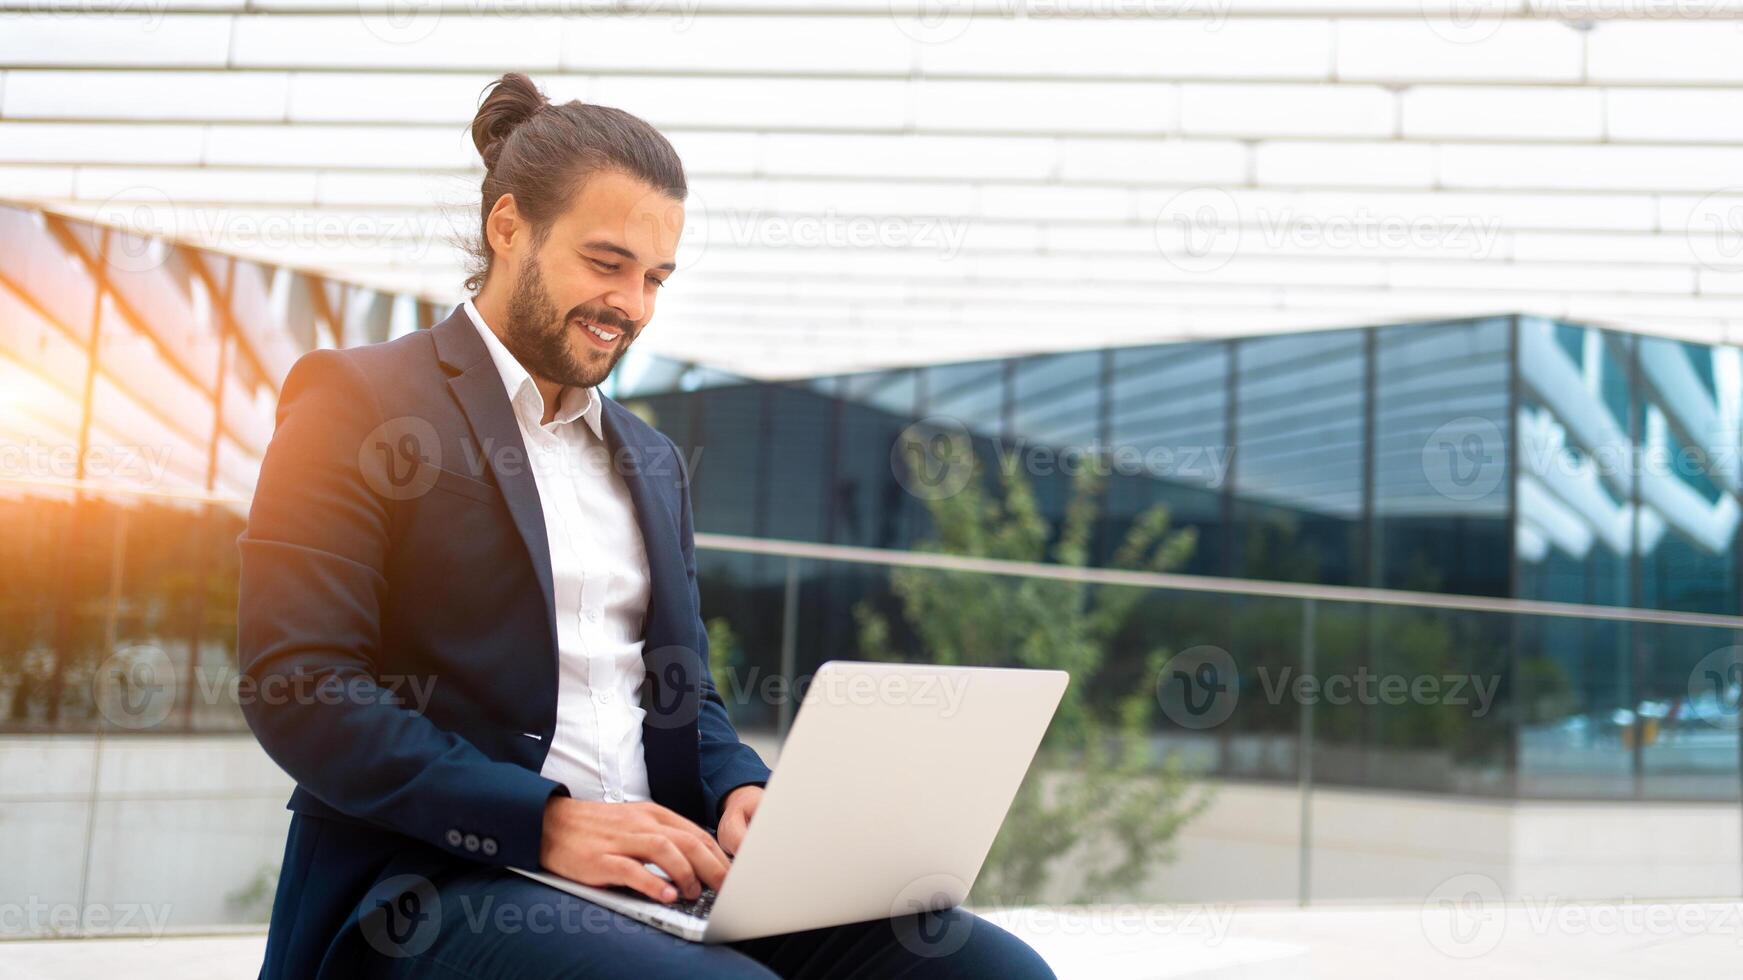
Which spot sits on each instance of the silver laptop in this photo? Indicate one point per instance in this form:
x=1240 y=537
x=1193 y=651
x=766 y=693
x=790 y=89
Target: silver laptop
x=885 y=800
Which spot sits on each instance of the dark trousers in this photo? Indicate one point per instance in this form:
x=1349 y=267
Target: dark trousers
x=491 y=923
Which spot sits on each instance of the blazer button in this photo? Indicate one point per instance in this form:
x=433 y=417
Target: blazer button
x=488 y=845
x=472 y=842
x=453 y=838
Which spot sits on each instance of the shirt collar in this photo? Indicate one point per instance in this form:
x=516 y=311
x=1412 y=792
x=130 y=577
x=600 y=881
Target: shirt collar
x=572 y=404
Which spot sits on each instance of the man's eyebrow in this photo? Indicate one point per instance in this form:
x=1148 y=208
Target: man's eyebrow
x=617 y=249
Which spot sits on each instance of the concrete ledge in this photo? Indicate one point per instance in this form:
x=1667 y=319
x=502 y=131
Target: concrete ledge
x=1462 y=936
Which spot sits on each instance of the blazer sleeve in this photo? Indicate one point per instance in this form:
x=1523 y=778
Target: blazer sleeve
x=312 y=592
x=726 y=762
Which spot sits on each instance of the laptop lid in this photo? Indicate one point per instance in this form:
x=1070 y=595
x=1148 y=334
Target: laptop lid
x=888 y=793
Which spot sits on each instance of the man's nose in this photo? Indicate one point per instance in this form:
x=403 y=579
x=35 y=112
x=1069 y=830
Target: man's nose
x=628 y=308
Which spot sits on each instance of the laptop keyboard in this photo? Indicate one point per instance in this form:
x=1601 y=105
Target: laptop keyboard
x=699 y=908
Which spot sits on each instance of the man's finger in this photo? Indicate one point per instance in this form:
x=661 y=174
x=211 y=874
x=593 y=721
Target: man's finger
x=705 y=856
x=731 y=834
x=671 y=819
x=630 y=873
x=670 y=859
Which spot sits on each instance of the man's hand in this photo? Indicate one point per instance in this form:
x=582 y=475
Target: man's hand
x=604 y=844
x=741 y=805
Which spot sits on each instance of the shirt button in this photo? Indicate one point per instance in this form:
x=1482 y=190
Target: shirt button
x=593 y=614
x=603 y=696
x=614 y=796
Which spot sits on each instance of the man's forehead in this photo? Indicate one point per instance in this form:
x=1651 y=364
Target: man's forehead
x=629 y=219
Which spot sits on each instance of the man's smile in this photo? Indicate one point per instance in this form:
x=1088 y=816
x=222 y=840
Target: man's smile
x=602 y=337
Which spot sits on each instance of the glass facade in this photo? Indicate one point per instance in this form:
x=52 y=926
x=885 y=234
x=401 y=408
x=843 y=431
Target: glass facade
x=137 y=389
x=1498 y=457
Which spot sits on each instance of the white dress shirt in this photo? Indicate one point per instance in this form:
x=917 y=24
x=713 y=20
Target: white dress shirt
x=599 y=577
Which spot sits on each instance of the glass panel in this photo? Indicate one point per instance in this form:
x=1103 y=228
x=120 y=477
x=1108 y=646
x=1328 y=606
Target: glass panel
x=1298 y=457
x=1168 y=428
x=1440 y=463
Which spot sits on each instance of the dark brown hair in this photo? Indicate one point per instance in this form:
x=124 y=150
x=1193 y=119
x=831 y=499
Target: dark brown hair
x=543 y=153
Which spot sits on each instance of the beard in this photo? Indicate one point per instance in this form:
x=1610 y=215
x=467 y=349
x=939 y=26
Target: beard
x=539 y=335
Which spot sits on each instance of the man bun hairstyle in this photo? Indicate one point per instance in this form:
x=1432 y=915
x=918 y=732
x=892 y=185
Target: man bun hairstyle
x=542 y=153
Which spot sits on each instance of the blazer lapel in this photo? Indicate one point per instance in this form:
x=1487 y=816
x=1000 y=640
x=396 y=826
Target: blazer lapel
x=671 y=648
x=496 y=434
x=669 y=582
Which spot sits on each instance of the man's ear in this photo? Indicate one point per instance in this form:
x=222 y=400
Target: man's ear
x=504 y=229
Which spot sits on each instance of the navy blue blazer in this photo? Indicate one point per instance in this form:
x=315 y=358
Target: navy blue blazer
x=398 y=644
